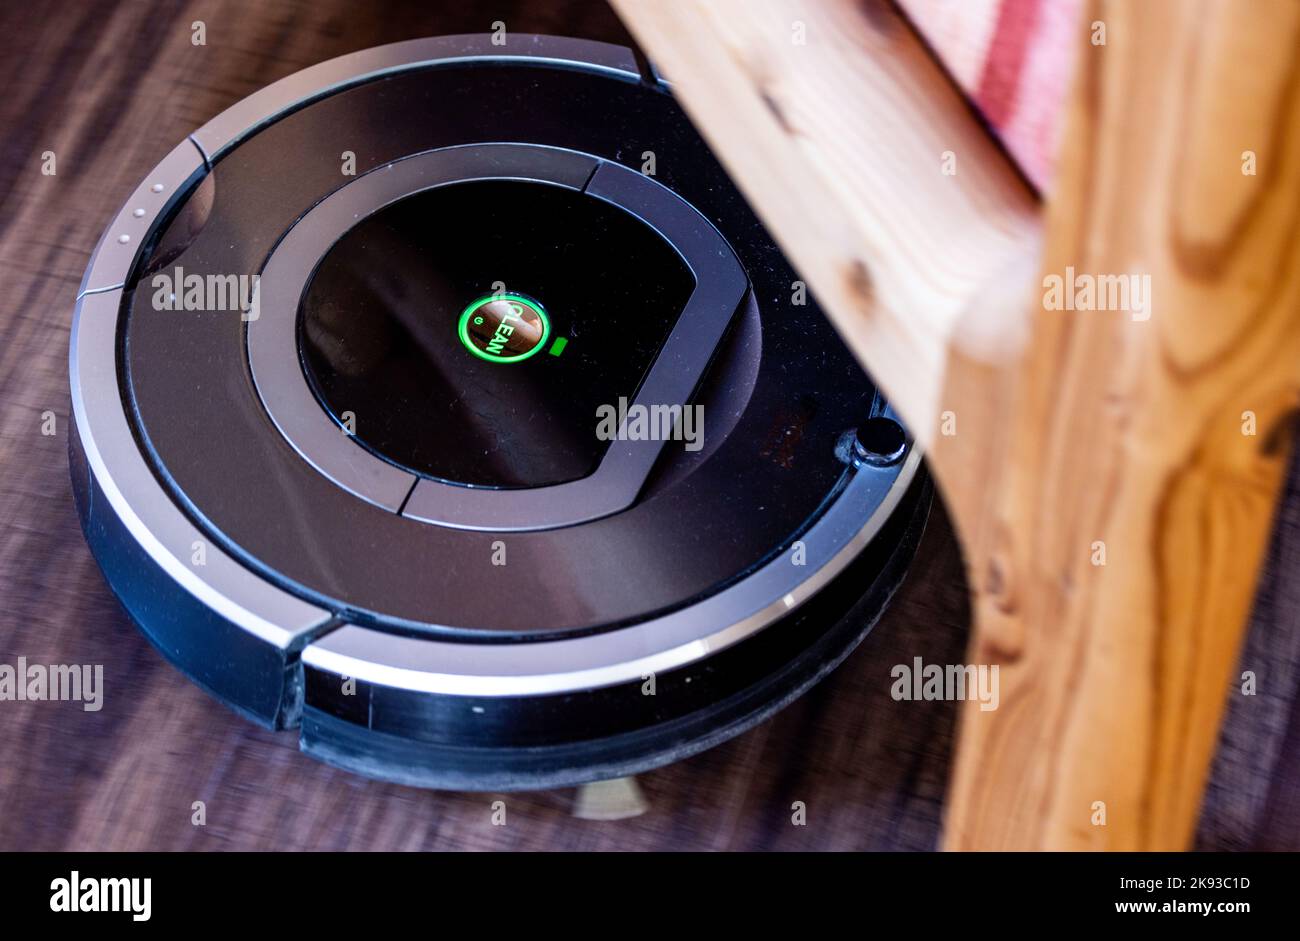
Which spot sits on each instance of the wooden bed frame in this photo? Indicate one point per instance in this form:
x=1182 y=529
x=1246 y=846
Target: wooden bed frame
x=1112 y=473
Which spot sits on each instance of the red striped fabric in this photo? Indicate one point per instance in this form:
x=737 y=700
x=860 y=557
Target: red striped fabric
x=1014 y=59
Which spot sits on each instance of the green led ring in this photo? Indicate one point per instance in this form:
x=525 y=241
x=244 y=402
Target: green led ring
x=528 y=302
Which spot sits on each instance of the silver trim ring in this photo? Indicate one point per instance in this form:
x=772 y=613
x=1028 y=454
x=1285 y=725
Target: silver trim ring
x=145 y=508
x=273 y=615
x=628 y=654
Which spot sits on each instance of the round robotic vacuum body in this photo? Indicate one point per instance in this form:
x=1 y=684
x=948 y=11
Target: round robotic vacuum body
x=447 y=402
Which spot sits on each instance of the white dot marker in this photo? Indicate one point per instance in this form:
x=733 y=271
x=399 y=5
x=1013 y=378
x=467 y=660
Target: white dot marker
x=124 y=239
x=138 y=213
x=157 y=187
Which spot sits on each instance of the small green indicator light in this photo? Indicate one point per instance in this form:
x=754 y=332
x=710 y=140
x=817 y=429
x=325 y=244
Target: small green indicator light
x=558 y=346
x=504 y=328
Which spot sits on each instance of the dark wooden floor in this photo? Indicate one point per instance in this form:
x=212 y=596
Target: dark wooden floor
x=110 y=88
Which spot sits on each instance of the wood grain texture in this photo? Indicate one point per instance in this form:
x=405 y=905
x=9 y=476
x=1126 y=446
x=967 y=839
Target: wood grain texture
x=1132 y=432
x=836 y=120
x=110 y=88
x=1058 y=430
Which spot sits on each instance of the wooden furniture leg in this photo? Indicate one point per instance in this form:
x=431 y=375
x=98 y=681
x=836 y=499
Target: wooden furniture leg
x=1110 y=447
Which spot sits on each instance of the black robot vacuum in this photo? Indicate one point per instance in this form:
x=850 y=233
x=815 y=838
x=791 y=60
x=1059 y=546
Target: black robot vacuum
x=447 y=403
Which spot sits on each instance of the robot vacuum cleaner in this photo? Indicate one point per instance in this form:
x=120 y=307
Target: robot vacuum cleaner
x=446 y=403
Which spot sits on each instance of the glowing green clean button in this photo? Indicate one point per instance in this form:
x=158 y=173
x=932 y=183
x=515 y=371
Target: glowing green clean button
x=504 y=328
